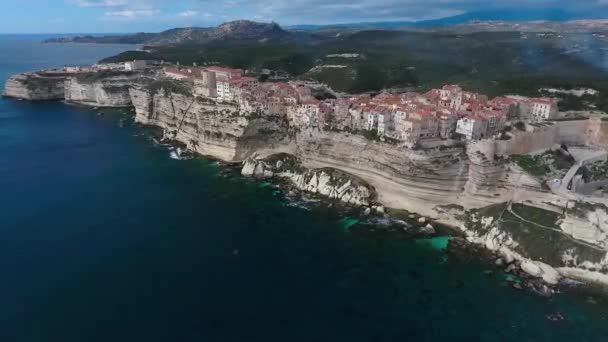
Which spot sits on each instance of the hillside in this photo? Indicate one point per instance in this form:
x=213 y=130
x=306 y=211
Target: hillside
x=492 y=62
x=239 y=30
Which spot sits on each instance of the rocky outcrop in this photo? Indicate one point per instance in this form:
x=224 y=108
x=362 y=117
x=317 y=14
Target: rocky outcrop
x=540 y=248
x=587 y=224
x=328 y=182
x=238 y=30
x=354 y=169
x=541 y=270
x=208 y=128
x=35 y=87
x=100 y=91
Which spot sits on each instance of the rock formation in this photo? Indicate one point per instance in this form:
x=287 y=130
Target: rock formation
x=217 y=130
x=110 y=91
x=35 y=87
x=328 y=182
x=415 y=180
x=354 y=169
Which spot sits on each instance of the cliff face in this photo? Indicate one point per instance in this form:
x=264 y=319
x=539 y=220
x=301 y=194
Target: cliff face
x=105 y=92
x=328 y=182
x=211 y=129
x=34 y=87
x=403 y=177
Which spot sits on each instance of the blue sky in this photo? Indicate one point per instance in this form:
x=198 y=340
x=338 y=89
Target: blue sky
x=77 y=16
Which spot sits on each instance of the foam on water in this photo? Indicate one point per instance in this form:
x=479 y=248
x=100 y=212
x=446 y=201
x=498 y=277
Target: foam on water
x=386 y=221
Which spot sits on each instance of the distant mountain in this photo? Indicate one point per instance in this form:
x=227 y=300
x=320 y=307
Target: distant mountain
x=556 y=15
x=136 y=38
x=239 y=30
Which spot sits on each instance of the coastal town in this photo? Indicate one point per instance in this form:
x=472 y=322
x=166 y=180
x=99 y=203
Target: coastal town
x=261 y=171
x=409 y=118
x=451 y=156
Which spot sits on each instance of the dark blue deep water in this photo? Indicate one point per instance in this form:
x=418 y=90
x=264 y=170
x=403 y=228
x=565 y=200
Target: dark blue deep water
x=103 y=237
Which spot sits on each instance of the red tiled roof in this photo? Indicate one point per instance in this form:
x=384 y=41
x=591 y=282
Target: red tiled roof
x=543 y=100
x=224 y=69
x=451 y=87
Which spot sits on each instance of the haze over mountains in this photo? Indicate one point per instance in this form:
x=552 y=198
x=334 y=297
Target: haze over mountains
x=508 y=15
x=239 y=30
x=250 y=31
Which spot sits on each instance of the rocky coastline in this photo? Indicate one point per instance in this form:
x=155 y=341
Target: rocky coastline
x=443 y=185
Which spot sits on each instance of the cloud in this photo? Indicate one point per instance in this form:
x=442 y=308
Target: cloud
x=132 y=13
x=337 y=11
x=188 y=13
x=287 y=12
x=100 y=3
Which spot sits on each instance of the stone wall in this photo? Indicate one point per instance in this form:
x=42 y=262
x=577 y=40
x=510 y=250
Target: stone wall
x=597 y=132
x=566 y=132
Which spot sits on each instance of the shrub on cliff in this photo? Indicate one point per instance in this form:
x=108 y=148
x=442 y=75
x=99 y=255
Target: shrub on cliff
x=41 y=83
x=170 y=86
x=90 y=77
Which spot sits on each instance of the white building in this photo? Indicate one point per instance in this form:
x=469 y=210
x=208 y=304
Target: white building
x=135 y=65
x=225 y=73
x=224 y=91
x=473 y=128
x=542 y=109
x=385 y=123
x=372 y=121
x=228 y=89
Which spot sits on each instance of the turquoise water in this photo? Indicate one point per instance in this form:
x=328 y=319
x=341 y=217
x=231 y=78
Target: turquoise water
x=104 y=237
x=439 y=243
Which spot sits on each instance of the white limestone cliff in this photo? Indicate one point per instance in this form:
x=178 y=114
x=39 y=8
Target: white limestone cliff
x=104 y=92
x=34 y=87
x=218 y=130
x=331 y=183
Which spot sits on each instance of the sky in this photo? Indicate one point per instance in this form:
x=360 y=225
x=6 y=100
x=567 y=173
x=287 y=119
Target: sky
x=122 y=16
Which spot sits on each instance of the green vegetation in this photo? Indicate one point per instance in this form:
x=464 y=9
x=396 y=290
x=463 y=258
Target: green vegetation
x=595 y=171
x=371 y=135
x=287 y=162
x=169 y=85
x=545 y=217
x=38 y=83
x=137 y=38
x=544 y=165
x=531 y=165
x=472 y=218
x=117 y=89
x=535 y=230
x=580 y=208
x=90 y=77
x=495 y=63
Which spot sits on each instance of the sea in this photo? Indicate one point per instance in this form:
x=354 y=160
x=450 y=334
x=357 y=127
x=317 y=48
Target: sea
x=106 y=236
